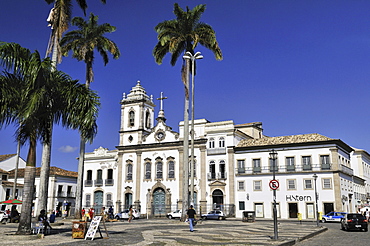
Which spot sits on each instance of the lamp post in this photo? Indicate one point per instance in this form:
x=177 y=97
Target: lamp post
x=192 y=58
x=317 y=210
x=273 y=157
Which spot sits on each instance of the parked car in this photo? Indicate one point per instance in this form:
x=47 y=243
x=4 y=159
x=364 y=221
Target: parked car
x=354 y=221
x=214 y=215
x=3 y=217
x=333 y=217
x=124 y=214
x=175 y=214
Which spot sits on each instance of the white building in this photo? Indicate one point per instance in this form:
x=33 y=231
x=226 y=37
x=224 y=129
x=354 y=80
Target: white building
x=232 y=169
x=7 y=163
x=61 y=191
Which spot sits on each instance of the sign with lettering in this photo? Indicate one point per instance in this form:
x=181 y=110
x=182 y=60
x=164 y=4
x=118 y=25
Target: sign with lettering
x=298 y=198
x=94 y=226
x=274 y=184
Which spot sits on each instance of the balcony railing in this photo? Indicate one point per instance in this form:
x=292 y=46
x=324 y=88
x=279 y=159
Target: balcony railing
x=256 y=169
x=98 y=182
x=109 y=182
x=290 y=168
x=71 y=194
x=88 y=183
x=211 y=176
x=222 y=175
x=61 y=194
x=346 y=169
x=129 y=177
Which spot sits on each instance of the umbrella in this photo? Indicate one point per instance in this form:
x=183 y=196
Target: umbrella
x=12 y=201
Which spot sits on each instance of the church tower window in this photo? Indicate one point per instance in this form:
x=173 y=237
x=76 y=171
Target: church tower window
x=147 y=120
x=131 y=118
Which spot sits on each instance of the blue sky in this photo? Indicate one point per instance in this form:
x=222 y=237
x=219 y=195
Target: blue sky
x=297 y=66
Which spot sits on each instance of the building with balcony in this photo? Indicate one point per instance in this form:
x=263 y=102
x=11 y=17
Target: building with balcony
x=146 y=168
x=232 y=168
x=61 y=190
x=299 y=158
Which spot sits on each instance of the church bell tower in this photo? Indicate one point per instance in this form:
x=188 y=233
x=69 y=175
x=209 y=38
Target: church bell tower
x=137 y=116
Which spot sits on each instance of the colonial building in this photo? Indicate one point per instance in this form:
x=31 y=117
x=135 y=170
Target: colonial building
x=61 y=191
x=232 y=169
x=300 y=157
x=7 y=163
x=146 y=168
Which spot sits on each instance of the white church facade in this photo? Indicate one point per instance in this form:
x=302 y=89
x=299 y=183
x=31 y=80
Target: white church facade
x=231 y=173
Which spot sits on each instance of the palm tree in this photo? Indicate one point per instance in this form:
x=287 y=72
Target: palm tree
x=82 y=42
x=31 y=95
x=178 y=36
x=59 y=20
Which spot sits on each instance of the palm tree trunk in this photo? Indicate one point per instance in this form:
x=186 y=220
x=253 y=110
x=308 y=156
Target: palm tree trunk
x=79 y=191
x=24 y=226
x=79 y=188
x=44 y=175
x=185 y=192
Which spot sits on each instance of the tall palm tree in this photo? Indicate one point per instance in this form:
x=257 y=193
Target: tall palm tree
x=178 y=36
x=31 y=95
x=59 y=20
x=83 y=42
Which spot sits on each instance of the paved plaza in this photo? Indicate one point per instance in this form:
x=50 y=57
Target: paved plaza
x=172 y=232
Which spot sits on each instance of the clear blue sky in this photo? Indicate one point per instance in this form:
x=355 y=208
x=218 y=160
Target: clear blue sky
x=298 y=66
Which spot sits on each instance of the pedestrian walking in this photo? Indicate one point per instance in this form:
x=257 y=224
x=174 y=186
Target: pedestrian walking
x=110 y=212
x=130 y=212
x=190 y=216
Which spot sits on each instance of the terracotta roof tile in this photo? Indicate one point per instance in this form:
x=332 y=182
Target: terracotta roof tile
x=54 y=171
x=5 y=157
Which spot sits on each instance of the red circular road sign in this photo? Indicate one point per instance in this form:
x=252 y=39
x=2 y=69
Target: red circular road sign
x=274 y=184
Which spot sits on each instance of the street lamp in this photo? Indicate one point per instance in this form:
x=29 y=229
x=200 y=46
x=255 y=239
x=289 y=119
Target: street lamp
x=317 y=210
x=192 y=58
x=273 y=157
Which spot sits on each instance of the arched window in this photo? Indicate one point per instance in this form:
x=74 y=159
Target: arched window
x=221 y=142
x=147 y=119
x=159 y=170
x=129 y=172
x=131 y=118
x=212 y=170
x=171 y=169
x=88 y=181
x=211 y=143
x=222 y=169
x=148 y=171
x=99 y=177
x=109 y=180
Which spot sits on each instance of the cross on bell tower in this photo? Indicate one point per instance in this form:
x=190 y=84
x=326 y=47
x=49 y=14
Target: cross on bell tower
x=161 y=111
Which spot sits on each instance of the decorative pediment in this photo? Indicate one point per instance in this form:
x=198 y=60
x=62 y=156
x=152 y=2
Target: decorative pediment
x=217 y=183
x=100 y=151
x=108 y=165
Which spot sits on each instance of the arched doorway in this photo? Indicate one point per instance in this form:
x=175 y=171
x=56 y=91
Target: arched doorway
x=128 y=200
x=98 y=201
x=159 y=202
x=217 y=198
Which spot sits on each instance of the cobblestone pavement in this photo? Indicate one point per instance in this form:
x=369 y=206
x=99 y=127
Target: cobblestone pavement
x=171 y=232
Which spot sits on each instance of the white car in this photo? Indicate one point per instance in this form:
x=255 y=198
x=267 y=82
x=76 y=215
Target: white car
x=124 y=214
x=3 y=217
x=175 y=214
